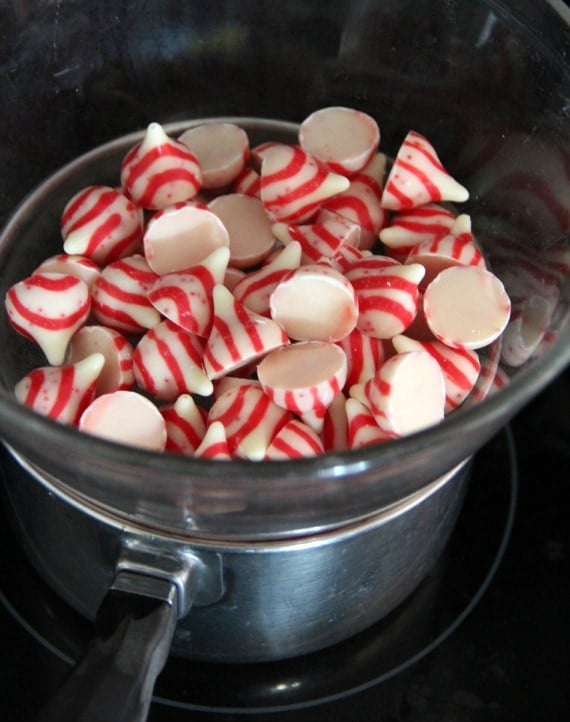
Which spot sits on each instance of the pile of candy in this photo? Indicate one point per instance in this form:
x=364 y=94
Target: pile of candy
x=267 y=302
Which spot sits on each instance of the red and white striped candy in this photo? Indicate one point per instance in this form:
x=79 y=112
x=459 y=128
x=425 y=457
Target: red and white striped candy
x=346 y=257
x=125 y=417
x=250 y=419
x=160 y=171
x=342 y=139
x=419 y=328
x=249 y=228
x=119 y=296
x=185 y=297
x=409 y=227
x=222 y=150
x=117 y=373
x=449 y=250
x=72 y=265
x=293 y=184
x=255 y=288
x=364 y=355
x=295 y=440
x=61 y=393
x=48 y=308
x=248 y=183
x=101 y=223
x=238 y=336
x=500 y=380
x=466 y=307
x=418 y=177
x=185 y=425
x=224 y=383
x=360 y=203
x=181 y=236
x=362 y=427
x=367 y=265
x=407 y=393
x=232 y=277
x=526 y=329
x=214 y=445
x=334 y=434
x=167 y=362
x=304 y=378
x=315 y=302
x=318 y=240
x=387 y=298
x=258 y=152
x=460 y=367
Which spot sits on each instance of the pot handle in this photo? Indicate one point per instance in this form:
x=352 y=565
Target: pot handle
x=115 y=678
x=152 y=589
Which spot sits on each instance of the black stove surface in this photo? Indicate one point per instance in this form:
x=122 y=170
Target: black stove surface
x=485 y=638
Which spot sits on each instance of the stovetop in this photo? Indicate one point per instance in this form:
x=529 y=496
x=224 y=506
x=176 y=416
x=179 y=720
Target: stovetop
x=485 y=638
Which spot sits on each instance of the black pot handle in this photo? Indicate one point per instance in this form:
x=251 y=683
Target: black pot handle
x=115 y=678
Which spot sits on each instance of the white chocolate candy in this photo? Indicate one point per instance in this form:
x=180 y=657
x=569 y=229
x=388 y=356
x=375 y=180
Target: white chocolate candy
x=250 y=419
x=49 y=308
x=168 y=361
x=364 y=355
x=315 y=302
x=251 y=237
x=460 y=367
x=347 y=256
x=181 y=236
x=387 y=298
x=295 y=440
x=125 y=417
x=407 y=393
x=466 y=307
x=342 y=139
x=255 y=288
x=248 y=183
x=362 y=427
x=304 y=378
x=318 y=240
x=418 y=177
x=160 y=171
x=224 y=383
x=117 y=373
x=360 y=203
x=238 y=336
x=451 y=249
x=61 y=393
x=119 y=296
x=214 y=445
x=185 y=425
x=232 y=277
x=334 y=433
x=293 y=184
x=185 y=297
x=101 y=223
x=409 y=227
x=302 y=221
x=72 y=265
x=222 y=150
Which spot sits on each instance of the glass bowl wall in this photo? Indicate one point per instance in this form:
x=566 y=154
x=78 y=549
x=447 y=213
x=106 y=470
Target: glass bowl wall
x=488 y=82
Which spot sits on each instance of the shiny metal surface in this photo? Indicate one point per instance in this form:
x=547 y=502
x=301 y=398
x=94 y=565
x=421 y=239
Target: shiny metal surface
x=281 y=598
x=197 y=578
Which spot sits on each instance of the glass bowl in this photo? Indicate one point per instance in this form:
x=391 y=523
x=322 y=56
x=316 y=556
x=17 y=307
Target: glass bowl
x=488 y=83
